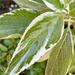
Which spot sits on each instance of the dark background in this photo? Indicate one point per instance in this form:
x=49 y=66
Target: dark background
x=5 y=6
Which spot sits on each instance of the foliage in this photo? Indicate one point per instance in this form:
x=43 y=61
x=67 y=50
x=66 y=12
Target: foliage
x=7 y=5
x=41 y=25
x=7 y=47
x=10 y=44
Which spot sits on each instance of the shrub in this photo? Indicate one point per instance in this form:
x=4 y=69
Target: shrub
x=41 y=27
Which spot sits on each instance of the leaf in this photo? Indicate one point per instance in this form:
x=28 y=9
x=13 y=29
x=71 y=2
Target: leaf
x=54 y=4
x=32 y=5
x=73 y=31
x=38 y=1
x=45 y=56
x=58 y=5
x=72 y=9
x=2 y=55
x=3 y=47
x=73 y=60
x=72 y=70
x=61 y=56
x=43 y=32
x=14 y=23
x=68 y=1
x=66 y=4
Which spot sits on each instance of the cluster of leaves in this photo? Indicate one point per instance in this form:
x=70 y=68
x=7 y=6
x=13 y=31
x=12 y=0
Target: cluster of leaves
x=7 y=48
x=40 y=25
x=36 y=69
x=7 y=5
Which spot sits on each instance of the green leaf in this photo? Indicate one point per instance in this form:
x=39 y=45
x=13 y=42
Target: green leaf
x=73 y=60
x=54 y=4
x=73 y=31
x=32 y=5
x=66 y=4
x=58 y=5
x=38 y=1
x=15 y=22
x=43 y=32
x=3 y=47
x=72 y=70
x=45 y=56
x=61 y=56
x=68 y=1
x=8 y=57
x=72 y=9
x=8 y=42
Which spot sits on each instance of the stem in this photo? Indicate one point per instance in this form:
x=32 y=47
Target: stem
x=67 y=20
x=69 y=23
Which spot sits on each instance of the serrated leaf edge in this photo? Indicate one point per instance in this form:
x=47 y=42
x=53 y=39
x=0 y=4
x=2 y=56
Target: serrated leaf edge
x=12 y=12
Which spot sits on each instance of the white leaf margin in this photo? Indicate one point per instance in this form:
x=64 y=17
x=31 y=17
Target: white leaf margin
x=42 y=50
x=63 y=1
x=12 y=36
x=51 y=6
x=72 y=42
x=37 y=19
x=46 y=55
x=12 y=13
x=72 y=51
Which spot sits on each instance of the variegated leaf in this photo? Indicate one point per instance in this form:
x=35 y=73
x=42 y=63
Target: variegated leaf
x=32 y=5
x=54 y=4
x=58 y=5
x=14 y=23
x=38 y=1
x=42 y=33
x=61 y=56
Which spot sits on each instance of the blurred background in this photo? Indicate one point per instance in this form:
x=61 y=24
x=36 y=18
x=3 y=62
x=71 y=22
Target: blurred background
x=7 y=5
